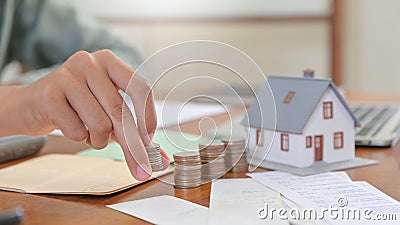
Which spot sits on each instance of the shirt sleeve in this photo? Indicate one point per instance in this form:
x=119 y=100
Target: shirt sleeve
x=47 y=32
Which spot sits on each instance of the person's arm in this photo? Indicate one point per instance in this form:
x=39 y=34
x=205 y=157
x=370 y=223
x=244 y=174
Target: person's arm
x=47 y=32
x=81 y=99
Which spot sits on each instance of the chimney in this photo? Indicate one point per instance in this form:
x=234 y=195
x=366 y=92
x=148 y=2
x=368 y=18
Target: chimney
x=308 y=73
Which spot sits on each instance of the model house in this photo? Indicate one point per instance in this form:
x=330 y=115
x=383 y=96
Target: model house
x=313 y=122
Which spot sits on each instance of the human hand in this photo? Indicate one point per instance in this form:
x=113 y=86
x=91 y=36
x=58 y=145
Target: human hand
x=81 y=99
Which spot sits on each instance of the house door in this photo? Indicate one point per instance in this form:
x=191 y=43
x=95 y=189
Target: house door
x=318 y=147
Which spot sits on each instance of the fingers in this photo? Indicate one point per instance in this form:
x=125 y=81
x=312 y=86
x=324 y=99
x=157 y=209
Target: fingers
x=63 y=117
x=132 y=146
x=123 y=125
x=90 y=111
x=139 y=90
x=165 y=159
x=98 y=102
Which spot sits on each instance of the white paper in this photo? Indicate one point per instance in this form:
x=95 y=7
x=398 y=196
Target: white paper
x=237 y=201
x=165 y=210
x=171 y=113
x=290 y=205
x=326 y=190
x=343 y=175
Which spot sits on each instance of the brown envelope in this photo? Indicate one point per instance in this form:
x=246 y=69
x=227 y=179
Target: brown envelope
x=69 y=174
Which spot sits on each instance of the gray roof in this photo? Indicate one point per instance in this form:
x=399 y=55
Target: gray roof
x=294 y=116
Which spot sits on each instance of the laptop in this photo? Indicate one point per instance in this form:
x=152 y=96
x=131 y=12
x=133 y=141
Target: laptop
x=379 y=124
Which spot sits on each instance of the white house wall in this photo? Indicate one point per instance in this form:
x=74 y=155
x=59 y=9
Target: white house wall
x=257 y=151
x=294 y=156
x=341 y=121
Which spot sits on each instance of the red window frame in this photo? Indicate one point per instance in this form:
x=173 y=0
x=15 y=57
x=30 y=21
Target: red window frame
x=338 y=140
x=289 y=97
x=308 y=141
x=259 y=137
x=285 y=142
x=328 y=110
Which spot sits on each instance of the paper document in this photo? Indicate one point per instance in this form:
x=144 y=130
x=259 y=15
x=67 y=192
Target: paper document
x=172 y=113
x=343 y=175
x=69 y=174
x=327 y=190
x=291 y=205
x=237 y=201
x=165 y=210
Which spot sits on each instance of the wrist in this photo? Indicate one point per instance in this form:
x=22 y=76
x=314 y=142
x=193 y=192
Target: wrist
x=10 y=109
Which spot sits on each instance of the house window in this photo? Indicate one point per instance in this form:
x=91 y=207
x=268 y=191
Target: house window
x=338 y=140
x=289 y=97
x=308 y=142
x=328 y=110
x=260 y=137
x=285 y=142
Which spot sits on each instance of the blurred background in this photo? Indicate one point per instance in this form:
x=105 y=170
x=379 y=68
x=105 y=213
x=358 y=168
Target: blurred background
x=356 y=42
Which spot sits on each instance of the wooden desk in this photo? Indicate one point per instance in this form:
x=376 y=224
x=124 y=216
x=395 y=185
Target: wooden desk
x=74 y=209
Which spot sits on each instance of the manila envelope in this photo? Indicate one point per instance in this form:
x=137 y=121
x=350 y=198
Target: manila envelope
x=70 y=174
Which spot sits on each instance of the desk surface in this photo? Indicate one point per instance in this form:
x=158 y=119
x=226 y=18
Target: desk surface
x=73 y=209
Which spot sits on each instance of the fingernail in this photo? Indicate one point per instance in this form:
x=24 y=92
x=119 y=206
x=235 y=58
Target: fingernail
x=148 y=139
x=143 y=171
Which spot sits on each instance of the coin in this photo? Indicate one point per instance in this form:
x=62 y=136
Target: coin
x=187 y=172
x=235 y=155
x=154 y=153
x=212 y=160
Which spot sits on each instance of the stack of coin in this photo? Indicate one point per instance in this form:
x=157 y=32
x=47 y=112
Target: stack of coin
x=235 y=155
x=212 y=160
x=187 y=172
x=155 y=158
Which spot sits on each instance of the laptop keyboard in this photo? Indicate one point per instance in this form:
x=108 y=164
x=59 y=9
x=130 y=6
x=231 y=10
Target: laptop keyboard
x=375 y=119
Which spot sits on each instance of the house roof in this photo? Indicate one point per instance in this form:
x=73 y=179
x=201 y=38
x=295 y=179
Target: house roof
x=291 y=117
